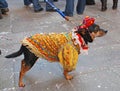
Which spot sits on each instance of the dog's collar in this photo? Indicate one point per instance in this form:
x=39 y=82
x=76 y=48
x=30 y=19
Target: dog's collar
x=79 y=41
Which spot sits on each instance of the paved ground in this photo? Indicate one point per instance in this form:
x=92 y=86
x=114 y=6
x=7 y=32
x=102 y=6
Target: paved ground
x=97 y=71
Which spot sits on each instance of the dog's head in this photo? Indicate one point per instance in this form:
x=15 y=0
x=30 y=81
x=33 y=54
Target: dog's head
x=91 y=32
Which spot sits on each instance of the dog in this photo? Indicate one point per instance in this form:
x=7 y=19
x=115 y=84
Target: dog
x=62 y=47
x=104 y=5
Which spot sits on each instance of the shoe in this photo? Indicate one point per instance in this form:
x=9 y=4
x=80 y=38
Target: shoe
x=103 y=8
x=70 y=15
x=55 y=0
x=0 y=14
x=41 y=9
x=79 y=13
x=0 y=52
x=90 y=3
x=30 y=5
x=51 y=10
x=4 y=10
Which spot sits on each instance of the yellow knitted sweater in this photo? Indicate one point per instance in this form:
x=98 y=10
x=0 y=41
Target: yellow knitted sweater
x=54 y=47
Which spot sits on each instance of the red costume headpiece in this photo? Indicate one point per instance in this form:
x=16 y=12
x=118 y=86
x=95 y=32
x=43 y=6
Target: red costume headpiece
x=88 y=21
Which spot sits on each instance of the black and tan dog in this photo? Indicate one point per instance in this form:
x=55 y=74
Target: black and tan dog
x=63 y=48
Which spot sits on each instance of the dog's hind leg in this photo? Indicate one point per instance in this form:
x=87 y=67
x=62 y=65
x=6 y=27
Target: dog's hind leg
x=115 y=2
x=24 y=69
x=26 y=64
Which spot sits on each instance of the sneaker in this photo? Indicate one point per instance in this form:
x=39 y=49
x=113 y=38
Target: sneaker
x=41 y=9
x=4 y=10
x=30 y=5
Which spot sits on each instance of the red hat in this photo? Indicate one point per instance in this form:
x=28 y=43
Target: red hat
x=88 y=21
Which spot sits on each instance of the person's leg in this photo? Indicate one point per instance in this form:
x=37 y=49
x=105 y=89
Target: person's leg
x=115 y=3
x=69 y=8
x=80 y=6
x=48 y=7
x=3 y=4
x=37 y=6
x=104 y=5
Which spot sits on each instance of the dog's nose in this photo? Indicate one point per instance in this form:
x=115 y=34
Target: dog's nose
x=106 y=31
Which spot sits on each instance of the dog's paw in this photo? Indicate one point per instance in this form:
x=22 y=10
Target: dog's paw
x=69 y=77
x=21 y=84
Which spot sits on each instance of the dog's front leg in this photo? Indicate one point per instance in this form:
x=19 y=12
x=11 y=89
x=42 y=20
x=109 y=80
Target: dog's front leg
x=68 y=57
x=67 y=76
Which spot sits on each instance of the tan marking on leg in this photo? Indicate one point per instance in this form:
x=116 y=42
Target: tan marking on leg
x=67 y=76
x=24 y=69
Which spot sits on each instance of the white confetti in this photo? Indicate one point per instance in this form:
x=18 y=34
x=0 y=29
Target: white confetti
x=3 y=33
x=58 y=86
x=99 y=86
x=47 y=88
x=36 y=82
x=14 y=60
x=50 y=72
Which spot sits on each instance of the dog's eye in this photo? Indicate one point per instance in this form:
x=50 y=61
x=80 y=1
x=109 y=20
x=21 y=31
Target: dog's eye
x=97 y=28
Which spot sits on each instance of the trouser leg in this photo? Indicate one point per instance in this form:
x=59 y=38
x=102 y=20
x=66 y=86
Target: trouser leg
x=104 y=5
x=69 y=8
x=27 y=2
x=115 y=3
x=36 y=5
x=80 y=6
x=48 y=7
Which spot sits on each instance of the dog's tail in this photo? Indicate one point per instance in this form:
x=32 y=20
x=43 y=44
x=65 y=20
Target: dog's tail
x=15 y=54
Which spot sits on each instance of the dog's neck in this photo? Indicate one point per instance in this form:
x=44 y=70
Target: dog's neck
x=79 y=40
x=85 y=34
x=84 y=38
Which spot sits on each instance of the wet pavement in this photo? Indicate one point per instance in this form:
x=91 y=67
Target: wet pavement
x=97 y=71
